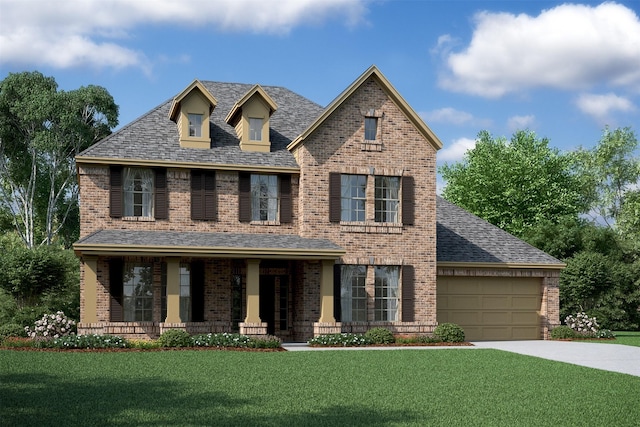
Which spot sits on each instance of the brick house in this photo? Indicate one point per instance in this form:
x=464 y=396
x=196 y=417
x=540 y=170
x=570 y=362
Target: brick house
x=237 y=207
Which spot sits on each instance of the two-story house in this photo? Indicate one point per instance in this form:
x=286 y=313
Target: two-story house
x=249 y=208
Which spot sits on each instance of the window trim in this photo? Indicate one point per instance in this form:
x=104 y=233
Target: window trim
x=381 y=309
x=195 y=127
x=255 y=134
x=130 y=302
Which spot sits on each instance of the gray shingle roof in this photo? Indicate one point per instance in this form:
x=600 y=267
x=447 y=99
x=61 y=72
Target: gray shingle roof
x=206 y=240
x=464 y=237
x=154 y=136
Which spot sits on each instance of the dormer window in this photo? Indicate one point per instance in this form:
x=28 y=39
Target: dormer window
x=195 y=125
x=255 y=129
x=370 y=128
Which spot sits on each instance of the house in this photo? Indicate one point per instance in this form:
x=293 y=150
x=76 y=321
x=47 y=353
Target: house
x=249 y=208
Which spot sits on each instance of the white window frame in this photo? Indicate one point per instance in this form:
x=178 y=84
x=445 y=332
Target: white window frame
x=370 y=128
x=353 y=194
x=353 y=293
x=387 y=199
x=255 y=128
x=195 y=125
x=265 y=196
x=386 y=298
x=138 y=189
x=137 y=292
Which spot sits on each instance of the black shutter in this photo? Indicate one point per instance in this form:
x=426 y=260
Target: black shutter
x=335 y=201
x=408 y=293
x=209 y=195
x=115 y=192
x=161 y=208
x=244 y=197
x=115 y=289
x=286 y=207
x=337 y=292
x=408 y=201
x=196 y=195
x=197 y=291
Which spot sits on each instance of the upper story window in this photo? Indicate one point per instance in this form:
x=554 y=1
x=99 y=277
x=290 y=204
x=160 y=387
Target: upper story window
x=370 y=128
x=353 y=196
x=195 y=125
x=138 y=185
x=255 y=129
x=387 y=198
x=264 y=197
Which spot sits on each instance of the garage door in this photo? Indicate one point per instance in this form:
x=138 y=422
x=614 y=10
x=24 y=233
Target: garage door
x=491 y=308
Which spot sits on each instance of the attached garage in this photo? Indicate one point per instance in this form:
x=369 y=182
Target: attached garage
x=491 y=308
x=492 y=284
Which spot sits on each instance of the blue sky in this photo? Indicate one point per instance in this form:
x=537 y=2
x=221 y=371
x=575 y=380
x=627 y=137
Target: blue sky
x=563 y=70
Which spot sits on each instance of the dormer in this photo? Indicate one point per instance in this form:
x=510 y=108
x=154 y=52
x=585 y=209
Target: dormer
x=191 y=111
x=250 y=117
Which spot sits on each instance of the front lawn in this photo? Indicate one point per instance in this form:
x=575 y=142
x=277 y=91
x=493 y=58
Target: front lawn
x=626 y=338
x=323 y=388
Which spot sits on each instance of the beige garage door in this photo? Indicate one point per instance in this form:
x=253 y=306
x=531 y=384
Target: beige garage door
x=491 y=308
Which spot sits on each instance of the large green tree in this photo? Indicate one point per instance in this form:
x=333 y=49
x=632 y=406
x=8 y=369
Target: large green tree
x=514 y=183
x=41 y=130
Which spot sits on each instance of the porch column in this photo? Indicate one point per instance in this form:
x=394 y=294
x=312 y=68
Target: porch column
x=253 y=291
x=90 y=307
x=173 y=290
x=326 y=292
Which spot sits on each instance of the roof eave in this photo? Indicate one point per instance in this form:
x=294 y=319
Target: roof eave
x=507 y=265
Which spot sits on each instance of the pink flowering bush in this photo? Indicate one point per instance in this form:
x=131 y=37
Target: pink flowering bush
x=52 y=326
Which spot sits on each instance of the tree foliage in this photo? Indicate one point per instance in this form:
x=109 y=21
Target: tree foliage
x=514 y=184
x=41 y=131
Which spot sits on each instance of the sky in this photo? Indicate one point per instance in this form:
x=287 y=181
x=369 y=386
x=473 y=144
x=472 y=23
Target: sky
x=562 y=70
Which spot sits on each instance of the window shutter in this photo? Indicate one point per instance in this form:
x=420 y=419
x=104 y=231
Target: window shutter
x=337 y=292
x=161 y=208
x=115 y=192
x=115 y=289
x=197 y=291
x=286 y=209
x=335 y=202
x=209 y=195
x=408 y=294
x=408 y=200
x=244 y=197
x=196 y=195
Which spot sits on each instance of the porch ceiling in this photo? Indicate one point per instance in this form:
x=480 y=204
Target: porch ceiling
x=212 y=245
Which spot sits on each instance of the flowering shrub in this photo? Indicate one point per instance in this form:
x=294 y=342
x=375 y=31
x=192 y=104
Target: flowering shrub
x=84 y=341
x=582 y=323
x=605 y=333
x=221 y=340
x=52 y=326
x=342 y=340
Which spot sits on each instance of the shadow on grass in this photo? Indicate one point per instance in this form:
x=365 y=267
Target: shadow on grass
x=49 y=400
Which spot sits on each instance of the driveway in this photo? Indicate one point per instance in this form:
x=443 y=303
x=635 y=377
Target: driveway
x=609 y=357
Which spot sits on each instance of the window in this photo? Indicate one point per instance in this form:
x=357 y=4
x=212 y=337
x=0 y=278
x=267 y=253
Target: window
x=264 y=197
x=137 y=292
x=353 y=197
x=195 y=125
x=255 y=129
x=236 y=300
x=185 y=292
x=370 y=128
x=386 y=293
x=353 y=294
x=138 y=192
x=387 y=198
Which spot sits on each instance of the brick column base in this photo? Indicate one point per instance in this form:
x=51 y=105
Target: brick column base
x=253 y=328
x=326 y=328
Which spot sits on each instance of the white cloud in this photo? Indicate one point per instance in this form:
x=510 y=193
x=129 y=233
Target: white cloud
x=93 y=33
x=453 y=116
x=456 y=150
x=567 y=47
x=600 y=106
x=521 y=122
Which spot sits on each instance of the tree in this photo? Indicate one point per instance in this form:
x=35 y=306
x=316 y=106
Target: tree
x=609 y=171
x=41 y=131
x=514 y=184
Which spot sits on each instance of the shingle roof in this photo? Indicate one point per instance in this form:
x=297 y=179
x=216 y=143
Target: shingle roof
x=154 y=136
x=464 y=237
x=178 y=239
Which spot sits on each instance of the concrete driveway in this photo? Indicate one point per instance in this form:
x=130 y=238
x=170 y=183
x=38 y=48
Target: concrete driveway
x=609 y=357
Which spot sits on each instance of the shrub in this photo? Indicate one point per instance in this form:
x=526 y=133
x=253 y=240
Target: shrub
x=342 y=340
x=52 y=326
x=143 y=344
x=265 y=342
x=449 y=332
x=83 y=341
x=563 y=332
x=11 y=330
x=605 y=333
x=582 y=323
x=221 y=340
x=175 y=338
x=17 y=342
x=380 y=336
x=417 y=339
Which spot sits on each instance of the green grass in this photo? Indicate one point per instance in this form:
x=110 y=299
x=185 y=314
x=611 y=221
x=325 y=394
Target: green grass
x=626 y=338
x=323 y=388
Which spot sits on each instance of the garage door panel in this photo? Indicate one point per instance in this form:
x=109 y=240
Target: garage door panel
x=491 y=308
